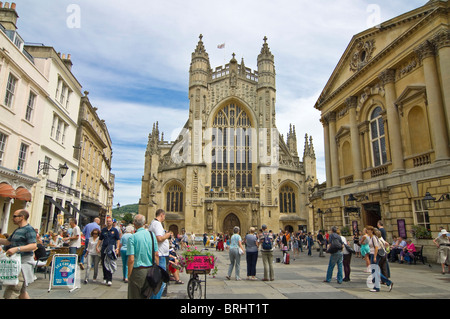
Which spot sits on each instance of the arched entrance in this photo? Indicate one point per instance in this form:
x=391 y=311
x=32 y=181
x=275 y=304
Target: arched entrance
x=289 y=228
x=229 y=223
x=372 y=213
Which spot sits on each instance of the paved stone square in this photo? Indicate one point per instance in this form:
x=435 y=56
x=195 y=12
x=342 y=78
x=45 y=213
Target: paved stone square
x=301 y=279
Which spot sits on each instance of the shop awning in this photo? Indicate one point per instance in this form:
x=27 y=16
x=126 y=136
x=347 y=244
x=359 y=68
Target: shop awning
x=23 y=194
x=6 y=190
x=58 y=205
x=75 y=208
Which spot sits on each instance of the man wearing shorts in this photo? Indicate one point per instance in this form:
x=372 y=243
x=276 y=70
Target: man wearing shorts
x=23 y=242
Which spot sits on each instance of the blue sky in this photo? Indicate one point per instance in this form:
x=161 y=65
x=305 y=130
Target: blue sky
x=134 y=56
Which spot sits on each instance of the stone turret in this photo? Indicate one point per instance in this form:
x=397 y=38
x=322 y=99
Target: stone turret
x=200 y=69
x=266 y=67
x=309 y=161
x=292 y=140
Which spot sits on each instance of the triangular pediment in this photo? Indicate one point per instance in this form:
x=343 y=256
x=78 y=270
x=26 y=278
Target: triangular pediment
x=371 y=45
x=411 y=93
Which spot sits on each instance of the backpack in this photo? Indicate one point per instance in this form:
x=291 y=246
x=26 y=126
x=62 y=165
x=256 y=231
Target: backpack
x=336 y=245
x=267 y=243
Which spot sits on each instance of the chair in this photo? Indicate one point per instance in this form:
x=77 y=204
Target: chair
x=48 y=263
x=61 y=250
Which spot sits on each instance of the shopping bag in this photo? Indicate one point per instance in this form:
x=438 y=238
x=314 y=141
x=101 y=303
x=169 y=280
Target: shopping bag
x=10 y=268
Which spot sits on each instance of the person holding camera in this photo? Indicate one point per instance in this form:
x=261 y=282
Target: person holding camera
x=162 y=236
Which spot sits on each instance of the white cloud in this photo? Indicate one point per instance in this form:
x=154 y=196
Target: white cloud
x=124 y=53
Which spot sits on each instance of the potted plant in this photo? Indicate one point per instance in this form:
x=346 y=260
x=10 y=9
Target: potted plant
x=420 y=232
x=193 y=259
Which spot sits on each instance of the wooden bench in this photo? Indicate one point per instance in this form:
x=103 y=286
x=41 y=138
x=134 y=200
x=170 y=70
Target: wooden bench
x=418 y=255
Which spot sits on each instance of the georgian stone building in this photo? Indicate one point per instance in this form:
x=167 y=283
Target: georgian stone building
x=386 y=120
x=229 y=166
x=94 y=151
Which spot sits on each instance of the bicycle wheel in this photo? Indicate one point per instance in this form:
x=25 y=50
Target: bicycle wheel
x=194 y=288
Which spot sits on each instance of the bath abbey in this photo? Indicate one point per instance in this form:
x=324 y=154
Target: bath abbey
x=229 y=166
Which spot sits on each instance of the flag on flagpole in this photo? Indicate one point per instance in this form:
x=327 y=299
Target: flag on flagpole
x=221 y=46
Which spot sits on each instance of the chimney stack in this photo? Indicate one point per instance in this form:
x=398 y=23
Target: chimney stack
x=67 y=61
x=8 y=16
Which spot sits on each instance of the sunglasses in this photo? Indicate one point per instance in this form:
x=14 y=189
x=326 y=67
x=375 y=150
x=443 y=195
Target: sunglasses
x=14 y=216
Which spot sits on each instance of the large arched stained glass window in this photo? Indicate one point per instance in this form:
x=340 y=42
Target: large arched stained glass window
x=231 y=148
x=378 y=138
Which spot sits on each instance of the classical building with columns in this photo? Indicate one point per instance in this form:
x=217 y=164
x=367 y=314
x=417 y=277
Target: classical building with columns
x=385 y=112
x=229 y=166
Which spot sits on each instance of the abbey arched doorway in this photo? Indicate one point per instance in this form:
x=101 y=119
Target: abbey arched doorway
x=229 y=223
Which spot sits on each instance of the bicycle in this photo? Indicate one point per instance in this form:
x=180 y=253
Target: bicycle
x=194 y=286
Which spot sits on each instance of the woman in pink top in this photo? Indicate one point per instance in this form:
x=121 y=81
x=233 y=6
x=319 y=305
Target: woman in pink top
x=409 y=251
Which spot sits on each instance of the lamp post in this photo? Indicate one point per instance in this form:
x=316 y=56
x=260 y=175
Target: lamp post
x=352 y=208
x=62 y=170
x=430 y=201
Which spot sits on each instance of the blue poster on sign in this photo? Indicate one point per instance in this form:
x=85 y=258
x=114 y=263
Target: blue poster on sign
x=64 y=271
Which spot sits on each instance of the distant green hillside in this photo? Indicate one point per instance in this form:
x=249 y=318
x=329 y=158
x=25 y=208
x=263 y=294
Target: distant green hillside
x=119 y=213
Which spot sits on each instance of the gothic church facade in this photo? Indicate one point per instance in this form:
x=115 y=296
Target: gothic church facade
x=229 y=166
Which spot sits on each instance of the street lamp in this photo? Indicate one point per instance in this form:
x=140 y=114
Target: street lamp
x=62 y=170
x=430 y=200
x=327 y=211
x=352 y=209
x=352 y=198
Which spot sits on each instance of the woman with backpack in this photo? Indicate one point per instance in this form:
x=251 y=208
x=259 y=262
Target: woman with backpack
x=266 y=240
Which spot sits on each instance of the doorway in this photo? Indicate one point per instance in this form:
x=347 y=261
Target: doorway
x=372 y=214
x=229 y=223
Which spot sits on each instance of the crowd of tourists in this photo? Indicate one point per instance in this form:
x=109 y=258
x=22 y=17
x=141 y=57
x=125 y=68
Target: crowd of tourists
x=103 y=245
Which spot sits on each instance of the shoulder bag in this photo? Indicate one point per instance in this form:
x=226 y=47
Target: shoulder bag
x=156 y=275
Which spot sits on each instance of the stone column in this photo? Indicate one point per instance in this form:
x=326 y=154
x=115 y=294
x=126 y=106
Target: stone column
x=333 y=150
x=6 y=211
x=326 y=140
x=365 y=144
x=426 y=53
x=352 y=103
x=442 y=42
x=387 y=77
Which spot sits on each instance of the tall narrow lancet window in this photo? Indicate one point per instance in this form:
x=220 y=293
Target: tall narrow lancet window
x=378 y=138
x=174 y=199
x=231 y=148
x=287 y=200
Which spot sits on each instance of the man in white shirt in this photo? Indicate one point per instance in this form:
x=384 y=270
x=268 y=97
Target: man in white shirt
x=75 y=238
x=163 y=243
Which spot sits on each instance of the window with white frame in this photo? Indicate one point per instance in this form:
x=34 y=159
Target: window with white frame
x=59 y=129
x=10 y=90
x=63 y=93
x=421 y=216
x=378 y=138
x=30 y=106
x=3 y=138
x=58 y=88
x=22 y=157
x=64 y=131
